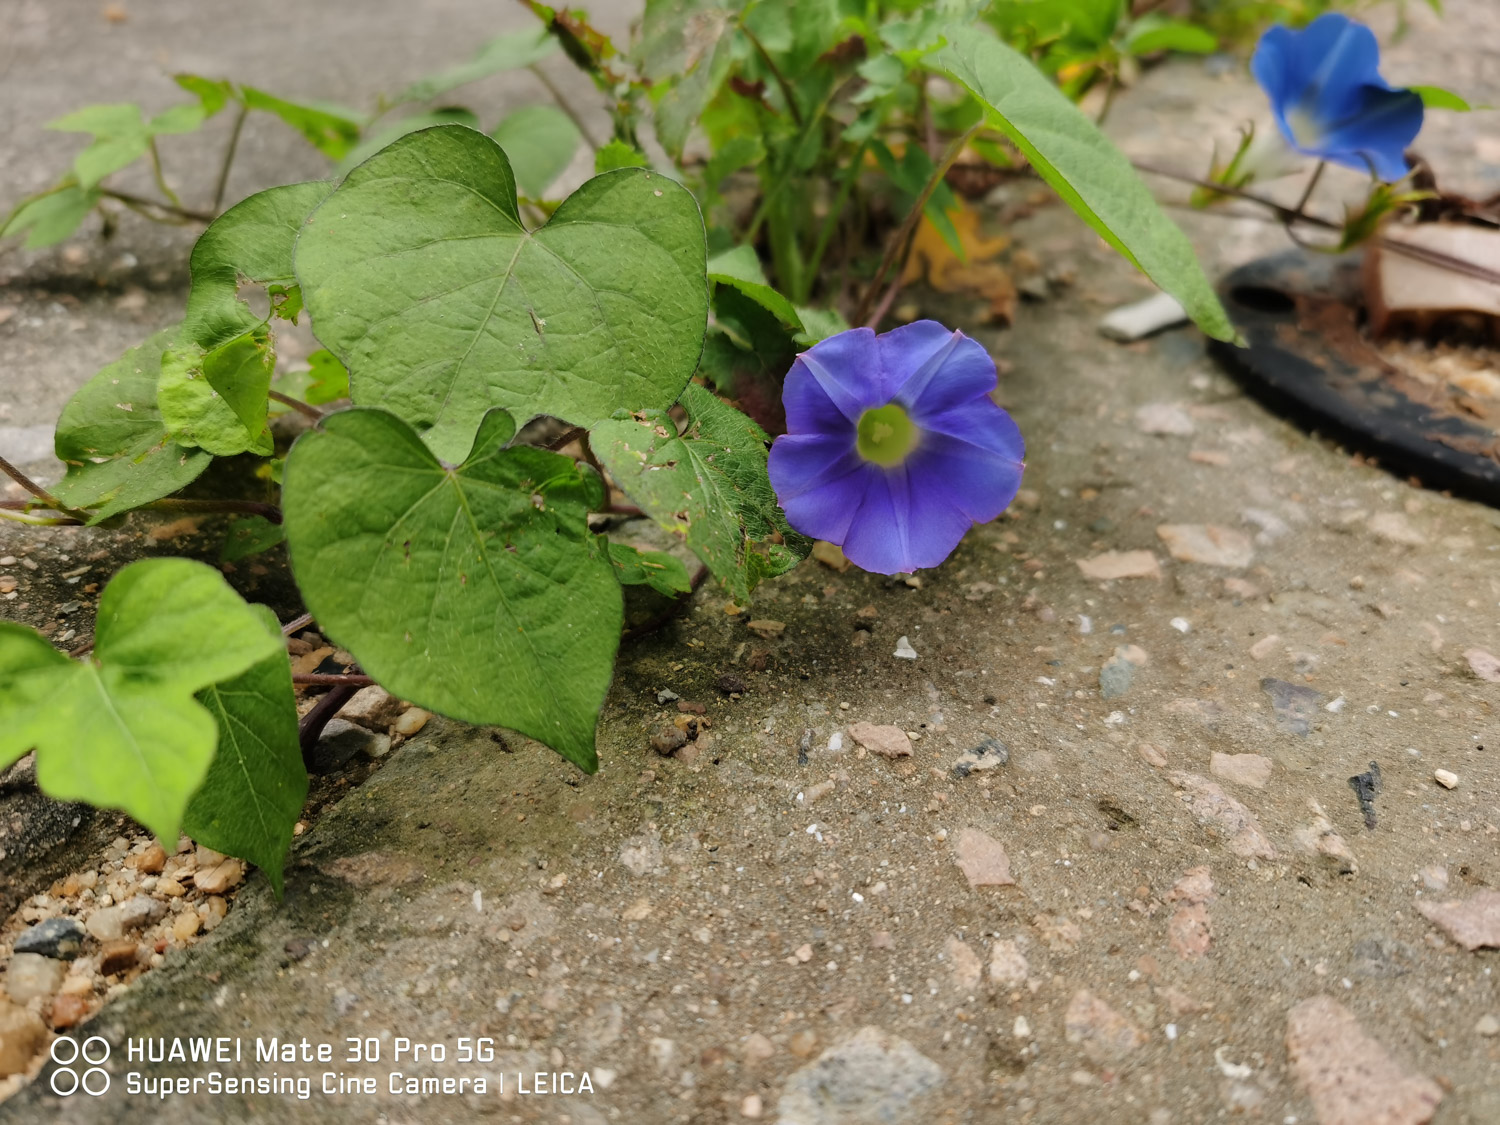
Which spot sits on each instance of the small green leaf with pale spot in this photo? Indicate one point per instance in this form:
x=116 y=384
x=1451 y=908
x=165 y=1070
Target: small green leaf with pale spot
x=121 y=728
x=477 y=591
x=657 y=569
x=708 y=487
x=250 y=536
x=331 y=129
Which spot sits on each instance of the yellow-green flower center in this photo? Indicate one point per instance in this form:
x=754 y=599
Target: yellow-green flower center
x=885 y=435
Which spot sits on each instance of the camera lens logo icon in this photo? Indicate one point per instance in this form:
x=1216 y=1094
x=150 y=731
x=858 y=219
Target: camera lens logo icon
x=71 y=1058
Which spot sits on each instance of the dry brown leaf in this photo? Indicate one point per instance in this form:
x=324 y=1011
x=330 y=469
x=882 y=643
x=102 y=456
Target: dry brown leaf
x=933 y=260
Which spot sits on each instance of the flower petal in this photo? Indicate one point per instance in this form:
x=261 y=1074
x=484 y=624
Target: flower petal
x=934 y=369
x=799 y=463
x=977 y=483
x=899 y=529
x=982 y=425
x=809 y=409
x=846 y=367
x=1377 y=135
x=820 y=483
x=1329 y=99
x=1336 y=55
x=1273 y=65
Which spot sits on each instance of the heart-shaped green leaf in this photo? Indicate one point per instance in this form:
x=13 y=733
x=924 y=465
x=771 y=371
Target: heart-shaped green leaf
x=252 y=795
x=708 y=487
x=421 y=278
x=476 y=592
x=122 y=729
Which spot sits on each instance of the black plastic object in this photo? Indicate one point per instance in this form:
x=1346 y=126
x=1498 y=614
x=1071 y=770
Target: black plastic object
x=1301 y=315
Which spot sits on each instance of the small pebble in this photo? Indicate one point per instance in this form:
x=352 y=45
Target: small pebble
x=30 y=975
x=904 y=651
x=752 y=1107
x=1488 y=1026
x=59 y=938
x=187 y=925
x=117 y=956
x=667 y=739
x=220 y=877
x=1446 y=778
x=68 y=1010
x=22 y=1037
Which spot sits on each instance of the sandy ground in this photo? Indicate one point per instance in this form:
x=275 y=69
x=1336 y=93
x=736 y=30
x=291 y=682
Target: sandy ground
x=1191 y=921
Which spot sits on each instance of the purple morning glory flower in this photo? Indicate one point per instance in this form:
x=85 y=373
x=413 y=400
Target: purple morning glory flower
x=1329 y=99
x=894 y=448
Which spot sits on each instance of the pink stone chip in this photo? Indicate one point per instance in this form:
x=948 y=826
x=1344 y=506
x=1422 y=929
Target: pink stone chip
x=1207 y=543
x=1209 y=802
x=982 y=859
x=1350 y=1078
x=1104 y=1034
x=888 y=742
x=1120 y=564
x=1472 y=922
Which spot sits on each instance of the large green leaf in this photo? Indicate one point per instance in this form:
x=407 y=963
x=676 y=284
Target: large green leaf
x=214 y=379
x=122 y=729
x=476 y=592
x=420 y=277
x=539 y=140
x=378 y=139
x=252 y=795
x=708 y=487
x=112 y=439
x=1093 y=177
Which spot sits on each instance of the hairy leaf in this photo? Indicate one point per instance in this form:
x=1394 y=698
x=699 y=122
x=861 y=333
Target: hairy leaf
x=112 y=439
x=475 y=591
x=1093 y=177
x=255 y=787
x=420 y=277
x=708 y=487
x=379 y=139
x=122 y=729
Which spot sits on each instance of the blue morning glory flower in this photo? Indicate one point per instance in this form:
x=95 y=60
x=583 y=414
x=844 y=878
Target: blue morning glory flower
x=1329 y=99
x=894 y=448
